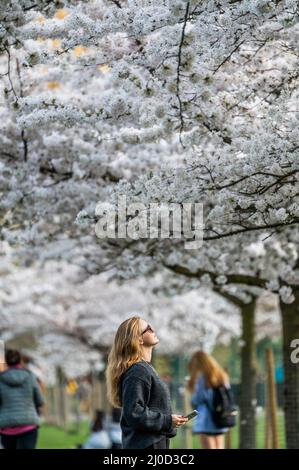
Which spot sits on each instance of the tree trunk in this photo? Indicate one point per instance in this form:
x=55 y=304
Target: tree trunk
x=62 y=405
x=248 y=378
x=290 y=325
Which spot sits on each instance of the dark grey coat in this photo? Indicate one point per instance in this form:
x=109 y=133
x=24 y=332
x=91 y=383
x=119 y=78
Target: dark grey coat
x=146 y=407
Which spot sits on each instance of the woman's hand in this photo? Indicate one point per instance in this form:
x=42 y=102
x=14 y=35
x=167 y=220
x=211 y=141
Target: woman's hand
x=178 y=420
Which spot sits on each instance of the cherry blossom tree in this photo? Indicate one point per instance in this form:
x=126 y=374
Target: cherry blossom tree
x=61 y=312
x=128 y=86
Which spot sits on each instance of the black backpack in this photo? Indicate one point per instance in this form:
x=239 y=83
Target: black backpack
x=224 y=411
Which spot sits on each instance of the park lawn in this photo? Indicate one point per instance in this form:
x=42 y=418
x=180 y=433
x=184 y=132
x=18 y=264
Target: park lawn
x=178 y=441
x=51 y=437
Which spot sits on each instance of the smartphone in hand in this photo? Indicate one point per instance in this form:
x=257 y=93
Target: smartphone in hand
x=191 y=415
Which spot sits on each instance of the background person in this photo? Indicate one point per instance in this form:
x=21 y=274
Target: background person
x=20 y=403
x=114 y=429
x=99 y=437
x=206 y=374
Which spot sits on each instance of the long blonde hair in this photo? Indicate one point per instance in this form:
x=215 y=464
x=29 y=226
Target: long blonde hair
x=203 y=364
x=125 y=352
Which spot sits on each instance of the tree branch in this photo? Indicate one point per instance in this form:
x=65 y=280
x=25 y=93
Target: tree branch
x=245 y=229
x=245 y=279
x=178 y=80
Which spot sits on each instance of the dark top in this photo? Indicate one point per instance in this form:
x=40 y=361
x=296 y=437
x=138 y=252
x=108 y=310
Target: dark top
x=146 y=407
x=20 y=398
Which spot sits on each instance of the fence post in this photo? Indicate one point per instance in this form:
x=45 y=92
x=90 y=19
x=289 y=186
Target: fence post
x=46 y=408
x=272 y=397
x=56 y=404
x=61 y=398
x=96 y=398
x=267 y=419
x=103 y=395
x=188 y=426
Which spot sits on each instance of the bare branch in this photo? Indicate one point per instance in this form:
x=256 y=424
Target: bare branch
x=178 y=80
x=245 y=279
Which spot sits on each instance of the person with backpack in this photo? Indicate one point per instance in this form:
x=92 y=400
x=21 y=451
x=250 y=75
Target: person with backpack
x=20 y=404
x=211 y=396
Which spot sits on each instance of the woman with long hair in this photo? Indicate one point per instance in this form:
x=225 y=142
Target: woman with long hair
x=147 y=421
x=99 y=437
x=205 y=374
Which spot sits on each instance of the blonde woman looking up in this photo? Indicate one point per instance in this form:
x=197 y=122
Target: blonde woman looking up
x=147 y=421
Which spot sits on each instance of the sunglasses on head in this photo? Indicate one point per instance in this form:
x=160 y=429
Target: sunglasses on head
x=148 y=328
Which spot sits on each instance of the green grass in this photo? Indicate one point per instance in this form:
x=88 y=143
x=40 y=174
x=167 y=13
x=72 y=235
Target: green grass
x=178 y=441
x=52 y=437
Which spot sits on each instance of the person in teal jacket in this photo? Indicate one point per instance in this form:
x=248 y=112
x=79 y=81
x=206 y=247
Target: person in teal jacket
x=206 y=373
x=20 y=403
